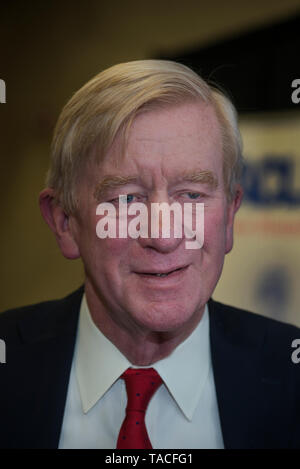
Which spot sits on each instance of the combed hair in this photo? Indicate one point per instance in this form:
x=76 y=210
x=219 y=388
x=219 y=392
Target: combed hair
x=108 y=104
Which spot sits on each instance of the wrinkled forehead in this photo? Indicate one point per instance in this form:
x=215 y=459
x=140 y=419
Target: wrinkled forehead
x=167 y=131
x=170 y=140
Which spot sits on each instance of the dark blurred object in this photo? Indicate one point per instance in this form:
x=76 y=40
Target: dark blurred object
x=256 y=69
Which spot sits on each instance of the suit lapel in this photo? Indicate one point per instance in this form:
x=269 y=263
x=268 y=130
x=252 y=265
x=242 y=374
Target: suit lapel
x=49 y=338
x=247 y=391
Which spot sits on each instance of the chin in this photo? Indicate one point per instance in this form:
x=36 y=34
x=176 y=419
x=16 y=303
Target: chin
x=166 y=318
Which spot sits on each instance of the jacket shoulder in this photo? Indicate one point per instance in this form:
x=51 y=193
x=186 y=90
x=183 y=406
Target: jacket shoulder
x=253 y=361
x=47 y=313
x=234 y=318
x=39 y=344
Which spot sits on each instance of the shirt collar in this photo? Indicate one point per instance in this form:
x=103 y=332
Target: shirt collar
x=184 y=371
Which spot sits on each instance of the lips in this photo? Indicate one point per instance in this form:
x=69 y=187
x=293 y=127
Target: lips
x=162 y=274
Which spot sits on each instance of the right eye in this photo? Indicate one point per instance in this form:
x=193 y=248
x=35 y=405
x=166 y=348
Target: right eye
x=123 y=199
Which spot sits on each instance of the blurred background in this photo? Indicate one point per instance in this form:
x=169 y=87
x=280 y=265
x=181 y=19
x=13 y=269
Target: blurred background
x=50 y=49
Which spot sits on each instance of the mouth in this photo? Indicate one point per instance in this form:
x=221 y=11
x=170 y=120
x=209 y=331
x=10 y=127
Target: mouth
x=170 y=273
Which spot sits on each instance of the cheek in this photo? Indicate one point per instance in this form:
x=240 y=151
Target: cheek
x=106 y=265
x=114 y=249
x=112 y=257
x=100 y=254
x=214 y=230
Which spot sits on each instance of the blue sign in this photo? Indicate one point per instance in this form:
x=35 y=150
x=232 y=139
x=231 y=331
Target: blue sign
x=270 y=181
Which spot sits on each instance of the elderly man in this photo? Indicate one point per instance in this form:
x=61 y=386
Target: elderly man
x=141 y=356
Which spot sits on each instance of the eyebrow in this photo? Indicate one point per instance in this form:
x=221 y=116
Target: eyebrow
x=203 y=177
x=112 y=182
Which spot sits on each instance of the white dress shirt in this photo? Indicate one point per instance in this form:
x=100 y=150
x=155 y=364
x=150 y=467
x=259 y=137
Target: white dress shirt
x=182 y=414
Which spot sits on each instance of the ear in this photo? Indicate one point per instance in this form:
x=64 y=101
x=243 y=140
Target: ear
x=59 y=223
x=232 y=208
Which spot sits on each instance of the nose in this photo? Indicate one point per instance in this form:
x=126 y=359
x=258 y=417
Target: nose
x=165 y=230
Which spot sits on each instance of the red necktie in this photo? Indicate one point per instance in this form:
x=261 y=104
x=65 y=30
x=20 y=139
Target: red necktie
x=141 y=384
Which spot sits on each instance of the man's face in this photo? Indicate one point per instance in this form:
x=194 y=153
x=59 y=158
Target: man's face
x=163 y=147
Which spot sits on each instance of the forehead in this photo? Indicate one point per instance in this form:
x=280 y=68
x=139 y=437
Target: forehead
x=168 y=141
x=185 y=118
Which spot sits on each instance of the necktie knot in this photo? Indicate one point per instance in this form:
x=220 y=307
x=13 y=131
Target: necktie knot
x=141 y=384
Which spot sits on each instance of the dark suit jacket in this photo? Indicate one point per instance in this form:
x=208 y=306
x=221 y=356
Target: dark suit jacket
x=257 y=384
